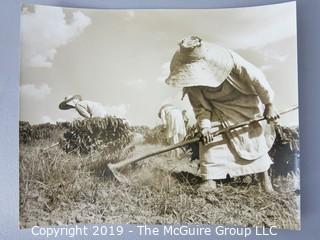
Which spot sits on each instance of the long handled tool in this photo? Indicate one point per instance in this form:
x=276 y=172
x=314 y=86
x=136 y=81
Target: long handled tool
x=113 y=167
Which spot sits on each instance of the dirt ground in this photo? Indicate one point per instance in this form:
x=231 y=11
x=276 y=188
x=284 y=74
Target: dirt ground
x=58 y=188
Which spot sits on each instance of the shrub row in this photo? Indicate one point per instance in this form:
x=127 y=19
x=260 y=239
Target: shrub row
x=29 y=133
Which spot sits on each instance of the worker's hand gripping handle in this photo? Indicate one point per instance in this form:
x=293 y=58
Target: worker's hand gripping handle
x=206 y=135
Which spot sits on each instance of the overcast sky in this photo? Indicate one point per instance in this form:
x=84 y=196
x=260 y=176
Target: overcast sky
x=120 y=58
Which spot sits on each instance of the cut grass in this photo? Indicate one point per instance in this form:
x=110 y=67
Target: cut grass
x=56 y=189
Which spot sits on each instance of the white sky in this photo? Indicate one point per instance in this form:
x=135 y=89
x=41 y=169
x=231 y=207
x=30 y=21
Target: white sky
x=120 y=57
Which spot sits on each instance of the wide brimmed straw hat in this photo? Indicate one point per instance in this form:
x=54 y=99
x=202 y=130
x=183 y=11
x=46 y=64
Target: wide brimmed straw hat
x=199 y=63
x=65 y=104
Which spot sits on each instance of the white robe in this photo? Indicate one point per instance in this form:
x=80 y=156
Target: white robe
x=173 y=120
x=239 y=98
x=89 y=109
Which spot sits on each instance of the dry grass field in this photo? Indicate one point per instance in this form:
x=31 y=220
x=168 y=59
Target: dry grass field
x=59 y=188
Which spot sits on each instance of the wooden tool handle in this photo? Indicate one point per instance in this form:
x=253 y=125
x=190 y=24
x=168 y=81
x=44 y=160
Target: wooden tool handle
x=178 y=145
x=194 y=140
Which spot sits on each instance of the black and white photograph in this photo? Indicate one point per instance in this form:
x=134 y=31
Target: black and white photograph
x=159 y=116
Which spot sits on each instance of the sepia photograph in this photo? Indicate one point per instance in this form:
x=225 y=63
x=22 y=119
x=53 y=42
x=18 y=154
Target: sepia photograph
x=159 y=116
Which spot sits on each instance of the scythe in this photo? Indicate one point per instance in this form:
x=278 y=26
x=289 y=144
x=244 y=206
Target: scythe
x=112 y=168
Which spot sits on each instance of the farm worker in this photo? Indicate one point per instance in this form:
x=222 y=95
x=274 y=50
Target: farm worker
x=224 y=89
x=85 y=108
x=172 y=119
x=185 y=118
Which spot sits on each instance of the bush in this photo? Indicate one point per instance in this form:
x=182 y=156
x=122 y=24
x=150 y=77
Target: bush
x=156 y=135
x=140 y=129
x=29 y=133
x=25 y=132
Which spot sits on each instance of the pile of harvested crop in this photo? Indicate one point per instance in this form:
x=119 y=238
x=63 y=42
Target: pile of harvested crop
x=285 y=151
x=85 y=136
x=192 y=132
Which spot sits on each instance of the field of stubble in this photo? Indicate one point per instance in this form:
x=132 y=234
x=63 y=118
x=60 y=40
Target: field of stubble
x=57 y=188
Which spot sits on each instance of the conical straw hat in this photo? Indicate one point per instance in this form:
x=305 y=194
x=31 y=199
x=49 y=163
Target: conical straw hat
x=198 y=63
x=64 y=105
